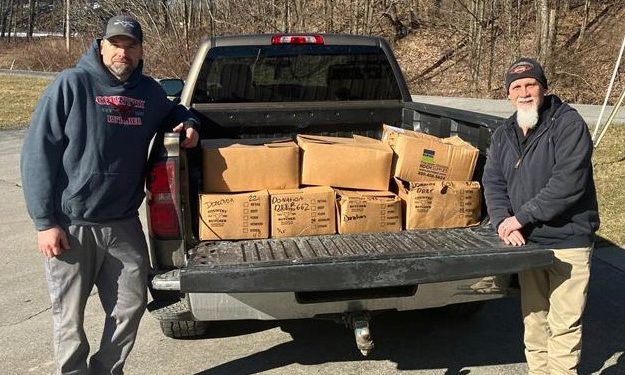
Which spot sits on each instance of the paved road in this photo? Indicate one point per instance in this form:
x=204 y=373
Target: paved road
x=406 y=343
x=503 y=108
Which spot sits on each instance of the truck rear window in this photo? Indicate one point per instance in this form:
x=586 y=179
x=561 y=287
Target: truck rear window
x=295 y=73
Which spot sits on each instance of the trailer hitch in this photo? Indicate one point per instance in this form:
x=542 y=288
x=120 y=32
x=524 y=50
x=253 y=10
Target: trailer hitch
x=359 y=322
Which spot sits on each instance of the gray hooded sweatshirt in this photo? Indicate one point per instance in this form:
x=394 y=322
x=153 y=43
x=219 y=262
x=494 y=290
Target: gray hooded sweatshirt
x=84 y=155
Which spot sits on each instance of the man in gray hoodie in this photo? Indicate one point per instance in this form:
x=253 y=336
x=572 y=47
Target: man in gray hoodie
x=538 y=186
x=82 y=166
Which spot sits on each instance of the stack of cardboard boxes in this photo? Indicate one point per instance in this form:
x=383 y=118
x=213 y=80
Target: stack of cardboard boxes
x=359 y=169
x=236 y=177
x=433 y=178
x=320 y=185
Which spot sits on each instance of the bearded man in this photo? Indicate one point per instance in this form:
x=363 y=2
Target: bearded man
x=539 y=187
x=83 y=170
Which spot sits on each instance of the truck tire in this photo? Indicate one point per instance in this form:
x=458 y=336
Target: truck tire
x=184 y=329
x=176 y=319
x=165 y=296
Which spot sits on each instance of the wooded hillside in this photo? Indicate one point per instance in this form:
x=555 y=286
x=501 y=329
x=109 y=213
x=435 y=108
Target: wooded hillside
x=445 y=47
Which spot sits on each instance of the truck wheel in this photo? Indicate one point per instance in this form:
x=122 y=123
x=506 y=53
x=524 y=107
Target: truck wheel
x=176 y=319
x=184 y=329
x=165 y=296
x=463 y=310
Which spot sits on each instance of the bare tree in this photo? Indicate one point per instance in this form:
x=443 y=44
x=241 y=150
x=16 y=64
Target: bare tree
x=32 y=11
x=547 y=24
x=414 y=14
x=328 y=12
x=582 y=28
x=551 y=36
x=4 y=12
x=475 y=10
x=492 y=15
x=542 y=28
x=11 y=23
x=391 y=14
x=480 y=36
x=67 y=26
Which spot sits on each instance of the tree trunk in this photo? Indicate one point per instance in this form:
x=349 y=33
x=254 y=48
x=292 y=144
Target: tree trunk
x=543 y=30
x=491 y=52
x=186 y=25
x=368 y=17
x=67 y=28
x=11 y=18
x=511 y=30
x=8 y=18
x=286 y=28
x=3 y=18
x=547 y=32
x=326 y=15
x=211 y=15
x=352 y=18
x=566 y=6
x=518 y=29
x=32 y=6
x=582 y=28
x=302 y=15
x=551 y=37
x=476 y=13
x=414 y=14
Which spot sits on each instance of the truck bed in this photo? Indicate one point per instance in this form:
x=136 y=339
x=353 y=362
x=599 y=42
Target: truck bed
x=354 y=261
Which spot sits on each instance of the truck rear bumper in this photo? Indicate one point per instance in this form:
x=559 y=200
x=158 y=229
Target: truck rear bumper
x=285 y=305
x=326 y=263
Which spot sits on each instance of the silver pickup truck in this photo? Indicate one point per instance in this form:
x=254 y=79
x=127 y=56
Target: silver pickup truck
x=263 y=86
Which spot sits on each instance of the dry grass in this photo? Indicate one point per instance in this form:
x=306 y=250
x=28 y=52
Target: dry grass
x=49 y=55
x=609 y=168
x=41 y=54
x=19 y=96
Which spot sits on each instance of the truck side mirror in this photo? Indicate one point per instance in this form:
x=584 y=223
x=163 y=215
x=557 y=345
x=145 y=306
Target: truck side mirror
x=172 y=86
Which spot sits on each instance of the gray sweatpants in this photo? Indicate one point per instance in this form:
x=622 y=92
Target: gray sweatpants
x=113 y=257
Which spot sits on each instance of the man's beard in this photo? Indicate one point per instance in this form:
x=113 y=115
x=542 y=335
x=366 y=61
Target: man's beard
x=527 y=117
x=121 y=71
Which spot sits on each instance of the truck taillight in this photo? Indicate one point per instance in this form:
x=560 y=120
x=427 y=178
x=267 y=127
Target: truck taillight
x=297 y=39
x=162 y=204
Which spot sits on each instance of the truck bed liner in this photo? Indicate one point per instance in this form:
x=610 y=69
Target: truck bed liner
x=354 y=261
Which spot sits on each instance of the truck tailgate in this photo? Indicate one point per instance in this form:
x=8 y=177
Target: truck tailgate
x=340 y=262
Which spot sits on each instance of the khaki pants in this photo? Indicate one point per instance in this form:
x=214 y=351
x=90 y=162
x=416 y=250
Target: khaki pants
x=553 y=301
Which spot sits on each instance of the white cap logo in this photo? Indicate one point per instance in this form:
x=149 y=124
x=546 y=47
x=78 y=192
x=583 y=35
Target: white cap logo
x=124 y=23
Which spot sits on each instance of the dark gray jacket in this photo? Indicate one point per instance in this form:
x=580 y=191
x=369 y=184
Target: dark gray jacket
x=549 y=184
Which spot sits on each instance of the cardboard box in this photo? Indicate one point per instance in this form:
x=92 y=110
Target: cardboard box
x=235 y=216
x=440 y=204
x=361 y=211
x=422 y=157
x=303 y=212
x=391 y=133
x=239 y=165
x=353 y=163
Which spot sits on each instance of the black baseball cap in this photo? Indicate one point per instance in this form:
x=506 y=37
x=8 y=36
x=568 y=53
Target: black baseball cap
x=525 y=68
x=124 y=25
